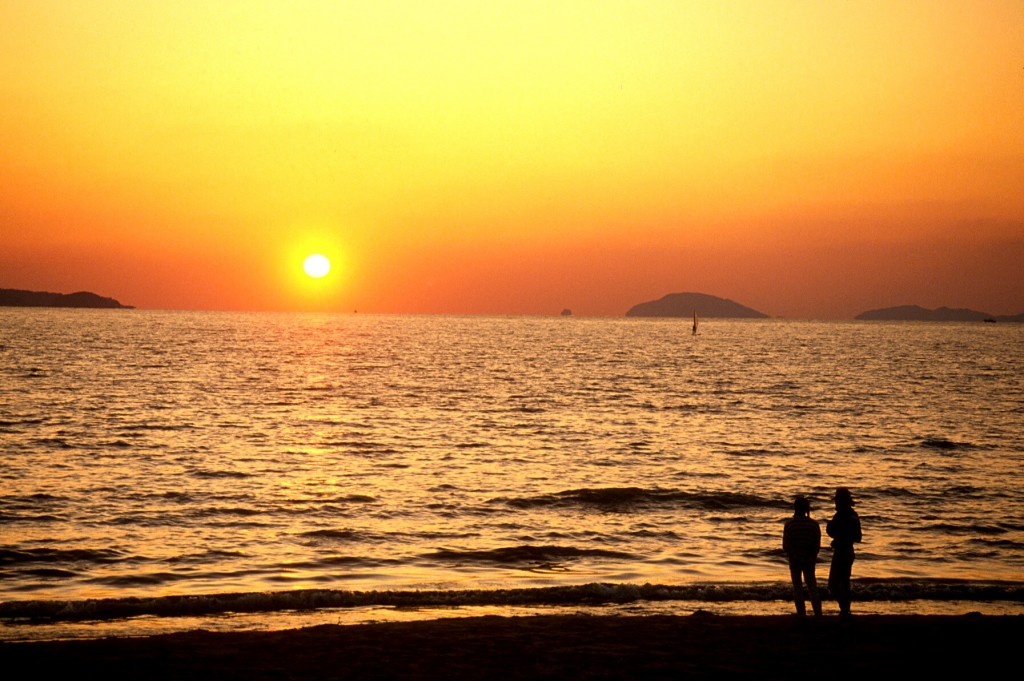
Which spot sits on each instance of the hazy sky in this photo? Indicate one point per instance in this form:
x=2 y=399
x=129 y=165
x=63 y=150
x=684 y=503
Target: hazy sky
x=806 y=158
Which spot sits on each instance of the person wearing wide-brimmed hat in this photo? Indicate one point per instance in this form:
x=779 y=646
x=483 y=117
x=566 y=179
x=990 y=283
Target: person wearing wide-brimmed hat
x=844 y=528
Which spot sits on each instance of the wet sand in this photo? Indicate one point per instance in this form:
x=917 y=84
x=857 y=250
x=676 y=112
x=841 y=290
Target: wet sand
x=699 y=646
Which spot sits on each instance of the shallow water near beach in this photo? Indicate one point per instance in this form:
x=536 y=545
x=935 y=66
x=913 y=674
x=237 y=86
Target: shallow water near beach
x=308 y=462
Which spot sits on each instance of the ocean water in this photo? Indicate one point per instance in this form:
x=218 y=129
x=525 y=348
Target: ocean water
x=156 y=467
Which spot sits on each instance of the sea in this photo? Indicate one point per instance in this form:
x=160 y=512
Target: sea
x=168 y=470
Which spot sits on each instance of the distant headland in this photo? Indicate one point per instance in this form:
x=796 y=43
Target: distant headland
x=687 y=304
x=916 y=313
x=10 y=297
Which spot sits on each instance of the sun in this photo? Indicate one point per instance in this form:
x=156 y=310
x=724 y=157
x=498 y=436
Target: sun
x=317 y=265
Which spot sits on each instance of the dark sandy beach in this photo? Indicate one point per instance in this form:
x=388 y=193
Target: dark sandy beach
x=549 y=647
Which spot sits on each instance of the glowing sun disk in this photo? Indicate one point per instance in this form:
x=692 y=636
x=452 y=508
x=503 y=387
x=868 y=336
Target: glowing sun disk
x=317 y=265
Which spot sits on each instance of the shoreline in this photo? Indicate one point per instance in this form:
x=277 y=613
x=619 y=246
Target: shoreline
x=700 y=645
x=19 y=630
x=127 y=617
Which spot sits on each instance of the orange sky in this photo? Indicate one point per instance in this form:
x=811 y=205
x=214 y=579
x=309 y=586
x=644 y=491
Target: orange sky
x=806 y=158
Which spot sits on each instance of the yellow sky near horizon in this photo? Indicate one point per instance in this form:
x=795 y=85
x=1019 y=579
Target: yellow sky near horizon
x=804 y=158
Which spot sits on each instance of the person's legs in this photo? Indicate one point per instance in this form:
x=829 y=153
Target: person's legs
x=812 y=587
x=839 y=580
x=798 y=589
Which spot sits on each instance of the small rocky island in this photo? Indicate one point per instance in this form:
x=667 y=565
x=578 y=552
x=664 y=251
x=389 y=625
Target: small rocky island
x=916 y=313
x=688 y=304
x=10 y=297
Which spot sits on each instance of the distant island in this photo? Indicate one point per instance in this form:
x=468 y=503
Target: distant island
x=686 y=304
x=10 y=297
x=916 y=313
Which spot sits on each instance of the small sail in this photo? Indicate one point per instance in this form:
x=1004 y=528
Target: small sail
x=694 y=322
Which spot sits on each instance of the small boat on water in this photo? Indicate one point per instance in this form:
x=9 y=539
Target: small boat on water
x=694 y=322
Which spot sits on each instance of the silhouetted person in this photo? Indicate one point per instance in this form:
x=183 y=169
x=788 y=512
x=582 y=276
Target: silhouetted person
x=844 y=528
x=801 y=540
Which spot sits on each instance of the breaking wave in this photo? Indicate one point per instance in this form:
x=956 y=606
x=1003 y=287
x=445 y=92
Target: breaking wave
x=525 y=554
x=49 y=611
x=10 y=557
x=619 y=498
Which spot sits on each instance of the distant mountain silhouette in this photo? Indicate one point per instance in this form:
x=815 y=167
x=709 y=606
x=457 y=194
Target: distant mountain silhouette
x=685 y=304
x=916 y=313
x=10 y=297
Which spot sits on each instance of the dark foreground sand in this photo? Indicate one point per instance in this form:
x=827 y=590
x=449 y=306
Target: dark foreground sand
x=557 y=647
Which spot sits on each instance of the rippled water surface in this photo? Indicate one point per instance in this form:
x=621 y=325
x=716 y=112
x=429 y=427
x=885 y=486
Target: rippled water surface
x=173 y=453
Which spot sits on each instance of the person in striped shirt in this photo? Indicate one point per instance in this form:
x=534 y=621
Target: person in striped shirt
x=801 y=540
